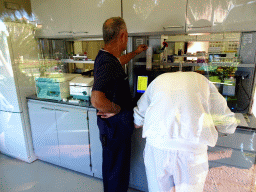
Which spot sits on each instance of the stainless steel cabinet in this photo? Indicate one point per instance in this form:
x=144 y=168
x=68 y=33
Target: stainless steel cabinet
x=73 y=137
x=232 y=163
x=237 y=149
x=230 y=157
x=138 y=178
x=44 y=132
x=242 y=140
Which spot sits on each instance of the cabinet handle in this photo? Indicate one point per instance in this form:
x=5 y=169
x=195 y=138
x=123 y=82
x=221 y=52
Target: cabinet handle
x=47 y=108
x=173 y=27
x=80 y=32
x=62 y=110
x=71 y=32
x=199 y=27
x=65 y=32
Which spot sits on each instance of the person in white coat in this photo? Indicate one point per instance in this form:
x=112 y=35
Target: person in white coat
x=181 y=114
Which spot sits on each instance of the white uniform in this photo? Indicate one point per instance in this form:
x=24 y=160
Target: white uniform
x=179 y=112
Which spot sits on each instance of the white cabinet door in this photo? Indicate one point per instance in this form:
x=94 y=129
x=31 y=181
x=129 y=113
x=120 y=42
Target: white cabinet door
x=154 y=16
x=88 y=16
x=241 y=16
x=54 y=16
x=200 y=16
x=95 y=144
x=44 y=132
x=73 y=137
x=220 y=16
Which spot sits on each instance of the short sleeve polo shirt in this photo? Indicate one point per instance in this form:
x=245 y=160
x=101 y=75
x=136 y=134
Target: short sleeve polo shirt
x=110 y=78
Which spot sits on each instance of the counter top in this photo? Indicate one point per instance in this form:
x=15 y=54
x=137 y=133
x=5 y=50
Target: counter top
x=81 y=104
x=250 y=119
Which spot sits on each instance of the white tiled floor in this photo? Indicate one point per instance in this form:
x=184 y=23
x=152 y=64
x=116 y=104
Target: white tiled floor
x=39 y=176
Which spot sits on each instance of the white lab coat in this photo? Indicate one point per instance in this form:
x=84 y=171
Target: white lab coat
x=179 y=112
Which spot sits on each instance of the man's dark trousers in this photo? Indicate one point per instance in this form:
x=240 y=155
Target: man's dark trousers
x=116 y=145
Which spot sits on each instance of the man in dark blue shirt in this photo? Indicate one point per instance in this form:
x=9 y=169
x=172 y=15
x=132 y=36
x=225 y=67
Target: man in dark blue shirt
x=112 y=99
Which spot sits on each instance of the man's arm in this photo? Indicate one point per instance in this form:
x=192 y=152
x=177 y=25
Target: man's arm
x=105 y=106
x=126 y=58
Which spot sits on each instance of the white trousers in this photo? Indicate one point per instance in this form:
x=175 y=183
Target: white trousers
x=175 y=170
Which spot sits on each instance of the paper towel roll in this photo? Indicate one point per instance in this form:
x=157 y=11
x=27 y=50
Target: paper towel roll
x=149 y=58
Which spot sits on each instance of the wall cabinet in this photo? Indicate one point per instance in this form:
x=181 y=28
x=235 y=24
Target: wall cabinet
x=220 y=16
x=241 y=16
x=154 y=16
x=88 y=16
x=200 y=16
x=66 y=18
x=53 y=17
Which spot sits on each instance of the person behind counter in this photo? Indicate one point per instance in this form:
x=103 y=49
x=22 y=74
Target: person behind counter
x=181 y=114
x=112 y=99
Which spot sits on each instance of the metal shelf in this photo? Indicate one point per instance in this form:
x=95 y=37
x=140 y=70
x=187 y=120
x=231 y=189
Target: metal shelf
x=223 y=64
x=74 y=61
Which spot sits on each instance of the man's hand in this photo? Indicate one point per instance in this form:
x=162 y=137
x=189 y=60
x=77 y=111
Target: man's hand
x=106 y=115
x=100 y=102
x=137 y=126
x=126 y=58
x=141 y=48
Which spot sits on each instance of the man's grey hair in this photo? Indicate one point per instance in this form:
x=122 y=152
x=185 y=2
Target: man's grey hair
x=112 y=30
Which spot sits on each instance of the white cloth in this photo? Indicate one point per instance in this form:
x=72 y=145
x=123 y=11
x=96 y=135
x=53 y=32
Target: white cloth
x=187 y=171
x=182 y=108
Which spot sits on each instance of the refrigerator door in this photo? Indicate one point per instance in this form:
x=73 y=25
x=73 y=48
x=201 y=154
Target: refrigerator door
x=8 y=93
x=12 y=136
